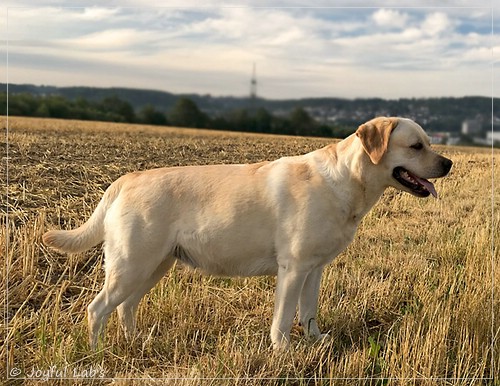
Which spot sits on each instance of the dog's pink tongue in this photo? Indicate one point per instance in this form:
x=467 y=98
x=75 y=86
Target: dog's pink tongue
x=428 y=185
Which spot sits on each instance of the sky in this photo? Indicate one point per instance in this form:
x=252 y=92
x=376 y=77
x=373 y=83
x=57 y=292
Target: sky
x=347 y=49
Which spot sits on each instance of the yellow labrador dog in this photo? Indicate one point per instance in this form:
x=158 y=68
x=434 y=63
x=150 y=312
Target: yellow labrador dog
x=288 y=217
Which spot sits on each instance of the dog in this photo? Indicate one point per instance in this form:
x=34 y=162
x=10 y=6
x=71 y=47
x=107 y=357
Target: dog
x=289 y=217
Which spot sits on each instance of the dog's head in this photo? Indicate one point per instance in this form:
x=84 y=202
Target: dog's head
x=402 y=148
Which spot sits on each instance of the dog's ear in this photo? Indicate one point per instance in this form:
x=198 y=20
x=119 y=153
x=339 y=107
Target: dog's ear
x=374 y=136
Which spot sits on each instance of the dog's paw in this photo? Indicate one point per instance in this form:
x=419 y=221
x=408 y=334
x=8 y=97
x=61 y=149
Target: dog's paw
x=323 y=338
x=281 y=346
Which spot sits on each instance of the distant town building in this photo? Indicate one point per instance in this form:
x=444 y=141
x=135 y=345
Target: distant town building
x=438 y=138
x=444 y=138
x=472 y=126
x=493 y=136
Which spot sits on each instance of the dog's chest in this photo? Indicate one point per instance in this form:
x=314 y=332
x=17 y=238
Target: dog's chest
x=341 y=235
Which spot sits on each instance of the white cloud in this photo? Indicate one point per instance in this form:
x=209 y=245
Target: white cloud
x=480 y=54
x=298 y=51
x=436 y=23
x=109 y=40
x=390 y=18
x=97 y=13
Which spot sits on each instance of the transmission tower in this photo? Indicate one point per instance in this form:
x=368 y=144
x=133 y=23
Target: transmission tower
x=253 y=87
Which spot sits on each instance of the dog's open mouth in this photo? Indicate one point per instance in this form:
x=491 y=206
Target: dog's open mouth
x=418 y=186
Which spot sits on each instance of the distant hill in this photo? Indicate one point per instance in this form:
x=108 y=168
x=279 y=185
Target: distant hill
x=441 y=114
x=138 y=98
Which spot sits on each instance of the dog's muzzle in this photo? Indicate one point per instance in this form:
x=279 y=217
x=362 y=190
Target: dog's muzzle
x=419 y=186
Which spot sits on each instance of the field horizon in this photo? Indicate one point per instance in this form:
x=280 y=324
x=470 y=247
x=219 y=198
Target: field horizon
x=413 y=300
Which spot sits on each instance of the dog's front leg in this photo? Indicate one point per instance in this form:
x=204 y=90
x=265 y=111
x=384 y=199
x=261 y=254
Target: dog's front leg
x=308 y=305
x=288 y=288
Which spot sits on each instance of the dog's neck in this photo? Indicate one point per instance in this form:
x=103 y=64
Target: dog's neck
x=349 y=164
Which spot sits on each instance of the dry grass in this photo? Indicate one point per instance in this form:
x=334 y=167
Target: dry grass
x=409 y=302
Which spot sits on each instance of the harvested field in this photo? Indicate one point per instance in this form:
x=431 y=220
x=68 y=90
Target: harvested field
x=413 y=300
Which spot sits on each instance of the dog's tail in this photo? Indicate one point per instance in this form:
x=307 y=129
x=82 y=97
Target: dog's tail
x=87 y=235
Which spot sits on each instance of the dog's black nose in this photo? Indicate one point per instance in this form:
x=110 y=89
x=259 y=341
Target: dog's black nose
x=447 y=164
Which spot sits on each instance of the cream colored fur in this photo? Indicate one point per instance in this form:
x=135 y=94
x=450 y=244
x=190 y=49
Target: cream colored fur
x=288 y=217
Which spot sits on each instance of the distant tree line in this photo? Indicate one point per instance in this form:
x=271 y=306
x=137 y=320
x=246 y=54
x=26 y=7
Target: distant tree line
x=184 y=113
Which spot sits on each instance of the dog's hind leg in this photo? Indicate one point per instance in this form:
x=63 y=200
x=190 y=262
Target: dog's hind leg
x=117 y=287
x=127 y=310
x=126 y=271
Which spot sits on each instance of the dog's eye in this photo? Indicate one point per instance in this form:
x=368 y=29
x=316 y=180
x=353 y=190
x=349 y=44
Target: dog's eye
x=417 y=146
